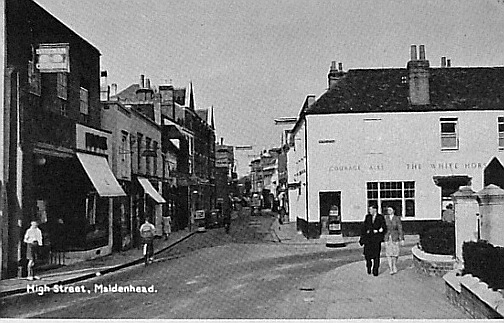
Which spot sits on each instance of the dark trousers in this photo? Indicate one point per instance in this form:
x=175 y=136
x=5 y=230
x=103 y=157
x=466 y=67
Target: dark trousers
x=372 y=254
x=373 y=263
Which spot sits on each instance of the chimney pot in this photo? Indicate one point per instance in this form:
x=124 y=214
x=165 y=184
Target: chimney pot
x=413 y=53
x=148 y=84
x=448 y=63
x=333 y=65
x=422 y=52
x=114 y=89
x=142 y=81
x=103 y=73
x=443 y=61
x=340 y=66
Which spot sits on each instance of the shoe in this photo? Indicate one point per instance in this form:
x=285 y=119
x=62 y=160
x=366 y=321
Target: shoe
x=369 y=271
x=375 y=273
x=36 y=277
x=29 y=278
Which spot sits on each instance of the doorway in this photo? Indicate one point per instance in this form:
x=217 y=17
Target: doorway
x=326 y=201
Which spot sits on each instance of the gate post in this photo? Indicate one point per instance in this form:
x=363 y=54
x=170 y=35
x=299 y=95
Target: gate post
x=491 y=202
x=466 y=223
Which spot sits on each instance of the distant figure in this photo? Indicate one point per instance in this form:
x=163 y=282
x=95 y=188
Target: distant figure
x=372 y=233
x=59 y=235
x=166 y=226
x=448 y=214
x=33 y=240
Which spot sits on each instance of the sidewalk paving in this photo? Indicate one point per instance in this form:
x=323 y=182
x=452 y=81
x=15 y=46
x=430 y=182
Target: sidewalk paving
x=90 y=268
x=348 y=292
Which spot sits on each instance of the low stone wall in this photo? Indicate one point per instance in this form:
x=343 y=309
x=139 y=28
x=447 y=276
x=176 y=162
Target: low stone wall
x=474 y=297
x=432 y=265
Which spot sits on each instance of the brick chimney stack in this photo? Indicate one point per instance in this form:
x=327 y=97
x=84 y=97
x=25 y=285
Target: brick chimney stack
x=418 y=77
x=335 y=74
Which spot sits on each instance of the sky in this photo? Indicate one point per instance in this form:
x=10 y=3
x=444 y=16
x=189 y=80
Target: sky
x=255 y=61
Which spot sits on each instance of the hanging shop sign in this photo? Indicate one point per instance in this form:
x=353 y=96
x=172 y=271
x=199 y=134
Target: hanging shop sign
x=53 y=58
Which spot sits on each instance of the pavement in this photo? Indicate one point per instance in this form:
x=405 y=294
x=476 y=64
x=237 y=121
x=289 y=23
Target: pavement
x=349 y=292
x=344 y=292
x=87 y=269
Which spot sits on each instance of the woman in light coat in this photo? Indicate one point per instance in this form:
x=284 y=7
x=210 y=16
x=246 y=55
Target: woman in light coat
x=393 y=237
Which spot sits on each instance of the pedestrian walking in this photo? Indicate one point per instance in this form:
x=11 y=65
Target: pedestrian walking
x=393 y=237
x=147 y=232
x=33 y=240
x=372 y=232
x=166 y=226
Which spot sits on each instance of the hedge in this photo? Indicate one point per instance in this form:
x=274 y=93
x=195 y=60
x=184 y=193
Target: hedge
x=438 y=239
x=485 y=261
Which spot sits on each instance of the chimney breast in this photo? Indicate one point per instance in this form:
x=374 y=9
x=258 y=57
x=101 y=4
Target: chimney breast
x=418 y=79
x=335 y=74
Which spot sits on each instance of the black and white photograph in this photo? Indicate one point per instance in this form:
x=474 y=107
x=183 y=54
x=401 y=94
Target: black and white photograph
x=252 y=160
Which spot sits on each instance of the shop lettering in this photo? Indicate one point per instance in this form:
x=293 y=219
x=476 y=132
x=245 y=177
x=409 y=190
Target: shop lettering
x=350 y=168
x=344 y=168
x=446 y=166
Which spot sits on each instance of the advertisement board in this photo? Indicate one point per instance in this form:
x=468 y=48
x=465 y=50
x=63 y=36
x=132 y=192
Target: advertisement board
x=53 y=58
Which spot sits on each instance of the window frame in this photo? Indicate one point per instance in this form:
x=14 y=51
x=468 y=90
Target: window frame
x=62 y=85
x=448 y=135
x=84 y=102
x=381 y=192
x=500 y=123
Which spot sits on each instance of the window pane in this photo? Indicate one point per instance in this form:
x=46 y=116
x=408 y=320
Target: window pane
x=448 y=127
x=448 y=142
x=410 y=208
x=501 y=141
x=501 y=127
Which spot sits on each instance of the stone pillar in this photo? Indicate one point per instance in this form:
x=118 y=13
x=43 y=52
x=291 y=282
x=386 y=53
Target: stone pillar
x=492 y=214
x=466 y=222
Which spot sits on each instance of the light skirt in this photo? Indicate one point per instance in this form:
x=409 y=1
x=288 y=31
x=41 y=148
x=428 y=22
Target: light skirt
x=392 y=248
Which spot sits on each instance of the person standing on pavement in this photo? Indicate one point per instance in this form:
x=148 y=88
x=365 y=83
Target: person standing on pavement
x=33 y=240
x=372 y=232
x=147 y=232
x=166 y=226
x=393 y=237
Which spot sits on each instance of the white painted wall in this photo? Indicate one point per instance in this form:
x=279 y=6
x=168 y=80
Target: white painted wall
x=296 y=168
x=394 y=147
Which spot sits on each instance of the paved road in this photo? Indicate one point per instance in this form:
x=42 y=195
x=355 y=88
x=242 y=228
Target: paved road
x=211 y=275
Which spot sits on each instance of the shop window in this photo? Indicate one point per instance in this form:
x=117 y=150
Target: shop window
x=500 y=121
x=91 y=208
x=449 y=134
x=62 y=85
x=400 y=195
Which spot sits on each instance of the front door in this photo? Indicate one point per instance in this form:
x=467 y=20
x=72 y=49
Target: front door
x=328 y=200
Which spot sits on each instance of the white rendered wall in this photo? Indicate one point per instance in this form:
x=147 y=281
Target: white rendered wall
x=347 y=150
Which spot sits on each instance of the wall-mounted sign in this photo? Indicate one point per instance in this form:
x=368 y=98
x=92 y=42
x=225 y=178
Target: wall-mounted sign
x=53 y=58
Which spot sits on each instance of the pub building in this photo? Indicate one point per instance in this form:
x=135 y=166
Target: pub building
x=402 y=137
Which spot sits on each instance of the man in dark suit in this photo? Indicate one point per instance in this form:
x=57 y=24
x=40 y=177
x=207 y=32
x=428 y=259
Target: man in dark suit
x=372 y=233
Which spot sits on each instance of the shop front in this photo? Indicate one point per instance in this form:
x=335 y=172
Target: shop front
x=73 y=192
x=149 y=204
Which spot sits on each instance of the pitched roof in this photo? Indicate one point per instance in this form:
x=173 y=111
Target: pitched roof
x=385 y=90
x=128 y=94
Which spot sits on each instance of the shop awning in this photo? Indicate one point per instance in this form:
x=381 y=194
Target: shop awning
x=149 y=189
x=98 y=171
